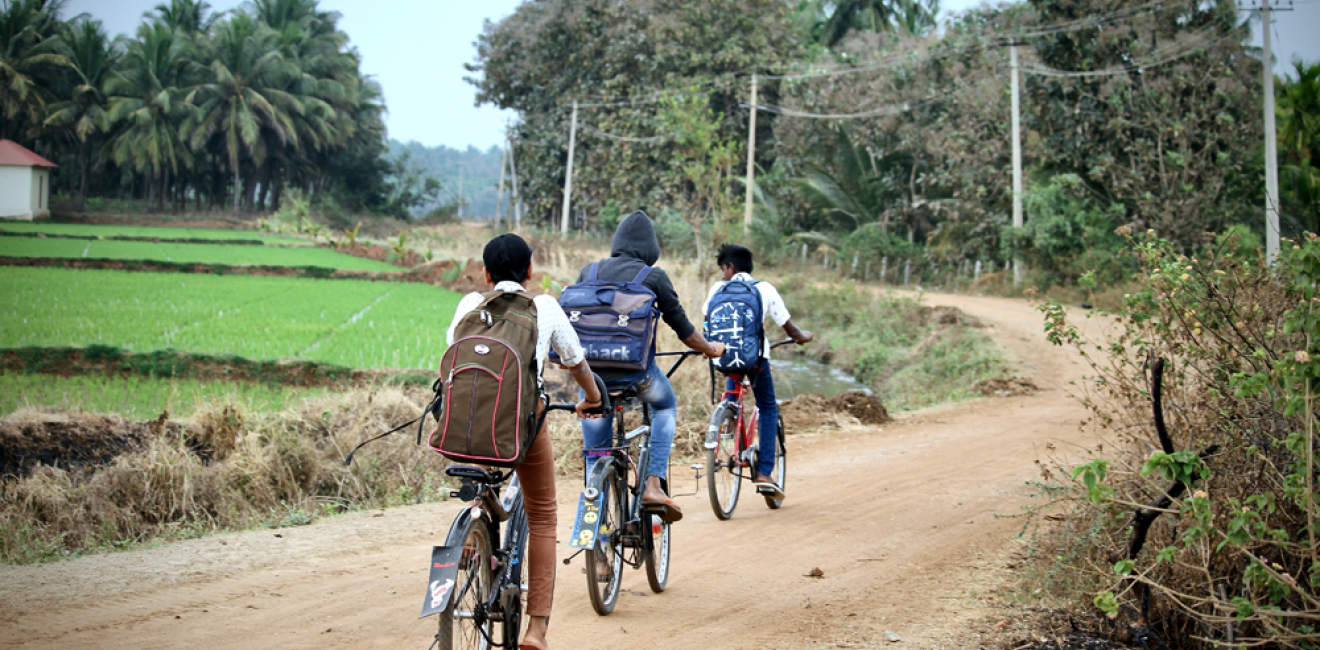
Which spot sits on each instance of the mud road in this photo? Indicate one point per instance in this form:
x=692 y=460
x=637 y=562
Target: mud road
x=904 y=520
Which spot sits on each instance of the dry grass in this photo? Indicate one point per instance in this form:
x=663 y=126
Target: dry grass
x=224 y=469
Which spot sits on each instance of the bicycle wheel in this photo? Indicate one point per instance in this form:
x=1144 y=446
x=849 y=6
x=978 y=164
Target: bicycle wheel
x=723 y=474
x=781 y=469
x=514 y=592
x=657 y=552
x=465 y=624
x=608 y=547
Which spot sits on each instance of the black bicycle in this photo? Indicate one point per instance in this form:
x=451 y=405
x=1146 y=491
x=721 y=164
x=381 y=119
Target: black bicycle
x=613 y=527
x=476 y=582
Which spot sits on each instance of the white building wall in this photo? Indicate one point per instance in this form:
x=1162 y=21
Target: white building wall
x=17 y=192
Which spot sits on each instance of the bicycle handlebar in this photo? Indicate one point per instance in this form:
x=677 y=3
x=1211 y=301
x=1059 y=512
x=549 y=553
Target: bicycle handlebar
x=682 y=356
x=599 y=410
x=781 y=342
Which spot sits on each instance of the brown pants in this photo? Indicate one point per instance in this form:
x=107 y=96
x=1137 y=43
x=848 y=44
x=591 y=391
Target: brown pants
x=537 y=475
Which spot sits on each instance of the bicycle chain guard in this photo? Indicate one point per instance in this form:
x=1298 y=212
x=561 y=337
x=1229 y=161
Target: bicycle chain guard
x=443 y=578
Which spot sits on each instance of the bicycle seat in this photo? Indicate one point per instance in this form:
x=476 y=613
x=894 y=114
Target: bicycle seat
x=475 y=473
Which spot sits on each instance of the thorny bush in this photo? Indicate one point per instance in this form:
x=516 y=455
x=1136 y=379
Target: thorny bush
x=1233 y=560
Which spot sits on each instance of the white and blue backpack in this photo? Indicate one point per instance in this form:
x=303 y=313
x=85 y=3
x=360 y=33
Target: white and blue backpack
x=734 y=318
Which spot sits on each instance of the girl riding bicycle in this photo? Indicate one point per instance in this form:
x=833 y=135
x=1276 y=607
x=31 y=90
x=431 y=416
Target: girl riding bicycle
x=508 y=266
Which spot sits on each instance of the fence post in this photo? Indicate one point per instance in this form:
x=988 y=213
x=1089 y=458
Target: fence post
x=977 y=273
x=884 y=268
x=804 y=253
x=992 y=268
x=827 y=260
x=907 y=272
x=868 y=272
x=854 y=266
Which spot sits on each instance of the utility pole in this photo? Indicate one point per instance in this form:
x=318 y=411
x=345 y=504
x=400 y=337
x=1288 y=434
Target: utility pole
x=460 y=193
x=751 y=162
x=515 y=202
x=1271 y=143
x=1017 y=160
x=499 y=193
x=568 y=176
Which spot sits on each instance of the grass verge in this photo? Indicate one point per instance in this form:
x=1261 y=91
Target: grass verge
x=187 y=253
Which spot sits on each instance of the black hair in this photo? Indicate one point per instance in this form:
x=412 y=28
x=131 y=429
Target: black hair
x=507 y=258
x=736 y=255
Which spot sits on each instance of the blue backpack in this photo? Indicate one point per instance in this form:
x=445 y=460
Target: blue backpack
x=734 y=318
x=615 y=321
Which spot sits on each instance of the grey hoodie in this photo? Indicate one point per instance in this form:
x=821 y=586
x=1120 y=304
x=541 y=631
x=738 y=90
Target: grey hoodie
x=635 y=245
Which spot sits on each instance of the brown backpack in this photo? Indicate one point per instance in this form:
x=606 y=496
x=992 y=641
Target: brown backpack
x=488 y=383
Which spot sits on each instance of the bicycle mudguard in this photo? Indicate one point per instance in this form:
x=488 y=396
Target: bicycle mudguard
x=586 y=524
x=444 y=575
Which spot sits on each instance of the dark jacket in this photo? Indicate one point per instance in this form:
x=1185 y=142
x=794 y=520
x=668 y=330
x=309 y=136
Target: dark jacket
x=635 y=245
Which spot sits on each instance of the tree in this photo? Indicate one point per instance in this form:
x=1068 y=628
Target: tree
x=244 y=94
x=701 y=175
x=84 y=117
x=30 y=62
x=549 y=53
x=147 y=102
x=1298 y=111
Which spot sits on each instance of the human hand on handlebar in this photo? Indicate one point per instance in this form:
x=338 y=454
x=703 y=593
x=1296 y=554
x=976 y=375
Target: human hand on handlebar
x=715 y=351
x=585 y=404
x=804 y=337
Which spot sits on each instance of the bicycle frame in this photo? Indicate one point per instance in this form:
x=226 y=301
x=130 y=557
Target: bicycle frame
x=747 y=427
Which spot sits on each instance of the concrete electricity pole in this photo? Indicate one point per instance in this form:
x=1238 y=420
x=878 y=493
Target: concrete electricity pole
x=499 y=193
x=1271 y=143
x=751 y=162
x=1017 y=159
x=568 y=176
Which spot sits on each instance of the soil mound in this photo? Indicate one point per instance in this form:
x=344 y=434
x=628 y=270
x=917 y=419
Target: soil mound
x=812 y=410
x=33 y=437
x=1010 y=387
x=943 y=315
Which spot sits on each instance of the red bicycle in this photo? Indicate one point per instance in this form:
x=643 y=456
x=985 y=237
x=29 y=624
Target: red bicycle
x=732 y=447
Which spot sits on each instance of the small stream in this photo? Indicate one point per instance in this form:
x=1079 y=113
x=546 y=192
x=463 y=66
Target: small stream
x=796 y=374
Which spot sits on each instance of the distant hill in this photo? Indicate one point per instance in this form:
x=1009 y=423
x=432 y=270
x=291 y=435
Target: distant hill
x=478 y=172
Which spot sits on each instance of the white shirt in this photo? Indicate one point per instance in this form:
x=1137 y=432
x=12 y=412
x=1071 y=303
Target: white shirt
x=772 y=305
x=552 y=326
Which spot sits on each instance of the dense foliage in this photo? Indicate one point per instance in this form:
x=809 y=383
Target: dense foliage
x=1232 y=555
x=199 y=107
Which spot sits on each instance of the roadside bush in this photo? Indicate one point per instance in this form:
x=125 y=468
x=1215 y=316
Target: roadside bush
x=1231 y=557
x=1068 y=234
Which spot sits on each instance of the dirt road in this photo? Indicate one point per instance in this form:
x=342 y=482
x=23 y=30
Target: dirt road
x=901 y=519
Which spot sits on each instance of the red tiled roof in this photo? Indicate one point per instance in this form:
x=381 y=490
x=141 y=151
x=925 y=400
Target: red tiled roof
x=13 y=154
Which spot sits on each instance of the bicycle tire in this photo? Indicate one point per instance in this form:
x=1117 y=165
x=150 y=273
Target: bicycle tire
x=458 y=630
x=781 y=469
x=723 y=474
x=657 y=552
x=513 y=605
x=608 y=546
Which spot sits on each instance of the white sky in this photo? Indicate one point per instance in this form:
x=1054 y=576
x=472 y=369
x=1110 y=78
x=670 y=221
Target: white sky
x=417 y=48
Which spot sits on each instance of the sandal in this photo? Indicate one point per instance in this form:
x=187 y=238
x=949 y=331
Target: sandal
x=666 y=510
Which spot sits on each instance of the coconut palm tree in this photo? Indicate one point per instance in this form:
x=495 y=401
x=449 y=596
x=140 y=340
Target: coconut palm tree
x=1298 y=111
x=30 y=62
x=147 y=101
x=84 y=117
x=190 y=17
x=244 y=95
x=843 y=16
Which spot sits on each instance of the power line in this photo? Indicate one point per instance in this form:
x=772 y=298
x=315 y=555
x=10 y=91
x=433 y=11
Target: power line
x=624 y=138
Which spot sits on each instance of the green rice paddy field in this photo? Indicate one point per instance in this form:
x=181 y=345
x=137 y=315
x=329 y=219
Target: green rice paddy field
x=352 y=323
x=89 y=230
x=142 y=398
x=187 y=253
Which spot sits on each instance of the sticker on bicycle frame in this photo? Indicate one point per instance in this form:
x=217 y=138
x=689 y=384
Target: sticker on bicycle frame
x=586 y=525
x=443 y=579
x=596 y=453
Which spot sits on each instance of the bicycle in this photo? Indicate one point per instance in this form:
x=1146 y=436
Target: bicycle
x=475 y=580
x=612 y=526
x=732 y=447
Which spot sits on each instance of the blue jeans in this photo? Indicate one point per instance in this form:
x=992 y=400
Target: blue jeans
x=763 y=387
x=652 y=388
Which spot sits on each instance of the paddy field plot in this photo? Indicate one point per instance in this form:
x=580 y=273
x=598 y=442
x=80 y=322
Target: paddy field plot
x=352 y=323
x=186 y=253
x=142 y=398
x=150 y=232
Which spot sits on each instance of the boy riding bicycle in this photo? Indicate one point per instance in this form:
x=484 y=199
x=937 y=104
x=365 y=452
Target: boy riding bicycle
x=508 y=262
x=635 y=246
x=735 y=262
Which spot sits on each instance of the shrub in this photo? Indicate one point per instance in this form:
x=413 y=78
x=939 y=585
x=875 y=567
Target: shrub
x=1234 y=554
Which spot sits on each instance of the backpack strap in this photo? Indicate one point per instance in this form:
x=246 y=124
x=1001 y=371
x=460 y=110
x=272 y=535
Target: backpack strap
x=591 y=274
x=641 y=275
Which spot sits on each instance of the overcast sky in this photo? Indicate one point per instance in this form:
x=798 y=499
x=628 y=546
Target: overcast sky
x=417 y=48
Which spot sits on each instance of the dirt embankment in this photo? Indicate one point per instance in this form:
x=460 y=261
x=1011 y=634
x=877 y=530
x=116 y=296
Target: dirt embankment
x=111 y=361
x=809 y=411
